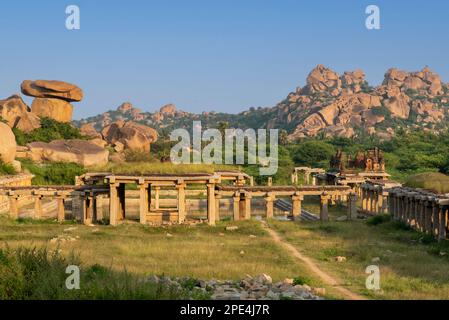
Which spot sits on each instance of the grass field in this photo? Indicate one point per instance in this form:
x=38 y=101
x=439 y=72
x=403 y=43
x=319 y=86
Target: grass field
x=198 y=251
x=412 y=265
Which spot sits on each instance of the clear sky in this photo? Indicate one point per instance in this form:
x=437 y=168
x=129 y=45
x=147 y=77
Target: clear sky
x=222 y=55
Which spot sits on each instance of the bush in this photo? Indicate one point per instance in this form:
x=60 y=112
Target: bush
x=6 y=169
x=50 y=130
x=53 y=173
x=39 y=274
x=433 y=181
x=378 y=219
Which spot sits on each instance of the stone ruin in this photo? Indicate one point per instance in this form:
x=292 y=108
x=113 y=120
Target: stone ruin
x=369 y=161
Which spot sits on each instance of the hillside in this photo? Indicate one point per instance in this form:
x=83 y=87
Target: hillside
x=329 y=104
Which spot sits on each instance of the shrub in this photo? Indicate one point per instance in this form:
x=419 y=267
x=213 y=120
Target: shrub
x=50 y=130
x=378 y=219
x=53 y=173
x=39 y=274
x=6 y=169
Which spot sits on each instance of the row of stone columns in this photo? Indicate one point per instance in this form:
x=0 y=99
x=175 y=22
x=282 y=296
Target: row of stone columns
x=425 y=213
x=374 y=199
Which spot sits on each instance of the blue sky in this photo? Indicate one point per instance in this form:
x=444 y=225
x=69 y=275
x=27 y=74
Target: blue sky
x=222 y=55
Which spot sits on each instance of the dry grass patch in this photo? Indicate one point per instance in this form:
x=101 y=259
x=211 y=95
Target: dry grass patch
x=197 y=251
x=412 y=265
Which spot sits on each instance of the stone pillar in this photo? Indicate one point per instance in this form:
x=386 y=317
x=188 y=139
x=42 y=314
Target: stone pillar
x=143 y=202
x=156 y=197
x=352 y=206
x=296 y=206
x=324 y=207
x=88 y=209
x=247 y=211
x=270 y=181
x=422 y=219
x=37 y=207
x=435 y=218
x=269 y=201
x=99 y=204
x=428 y=218
x=442 y=218
x=364 y=199
x=307 y=177
x=251 y=181
x=61 y=209
x=13 y=207
x=122 y=201
x=217 y=207
x=113 y=204
x=380 y=202
x=236 y=206
x=211 y=203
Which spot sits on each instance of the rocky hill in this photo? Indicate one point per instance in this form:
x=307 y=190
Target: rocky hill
x=329 y=104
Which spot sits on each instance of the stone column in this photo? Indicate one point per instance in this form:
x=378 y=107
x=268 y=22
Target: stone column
x=364 y=199
x=37 y=207
x=13 y=207
x=251 y=181
x=113 y=204
x=217 y=207
x=269 y=201
x=435 y=218
x=422 y=216
x=247 y=211
x=428 y=218
x=352 y=206
x=236 y=205
x=143 y=202
x=324 y=207
x=296 y=206
x=61 y=209
x=156 y=197
x=99 y=204
x=442 y=218
x=122 y=201
x=211 y=203
x=306 y=177
x=270 y=181
x=380 y=202
x=88 y=209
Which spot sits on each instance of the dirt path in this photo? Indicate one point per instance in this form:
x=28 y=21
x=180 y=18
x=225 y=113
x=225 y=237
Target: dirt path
x=326 y=278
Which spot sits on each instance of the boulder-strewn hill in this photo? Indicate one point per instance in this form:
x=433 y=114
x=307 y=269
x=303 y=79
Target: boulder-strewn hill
x=329 y=104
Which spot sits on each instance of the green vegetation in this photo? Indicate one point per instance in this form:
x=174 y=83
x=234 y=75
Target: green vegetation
x=433 y=181
x=158 y=167
x=412 y=265
x=200 y=252
x=53 y=173
x=50 y=130
x=6 y=169
x=40 y=274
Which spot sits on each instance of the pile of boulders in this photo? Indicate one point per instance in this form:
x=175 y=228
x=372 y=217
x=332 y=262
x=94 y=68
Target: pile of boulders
x=260 y=287
x=52 y=98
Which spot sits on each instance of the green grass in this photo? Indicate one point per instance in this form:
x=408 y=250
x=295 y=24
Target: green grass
x=53 y=173
x=50 y=130
x=40 y=274
x=159 y=168
x=412 y=265
x=200 y=252
x=433 y=181
x=6 y=169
